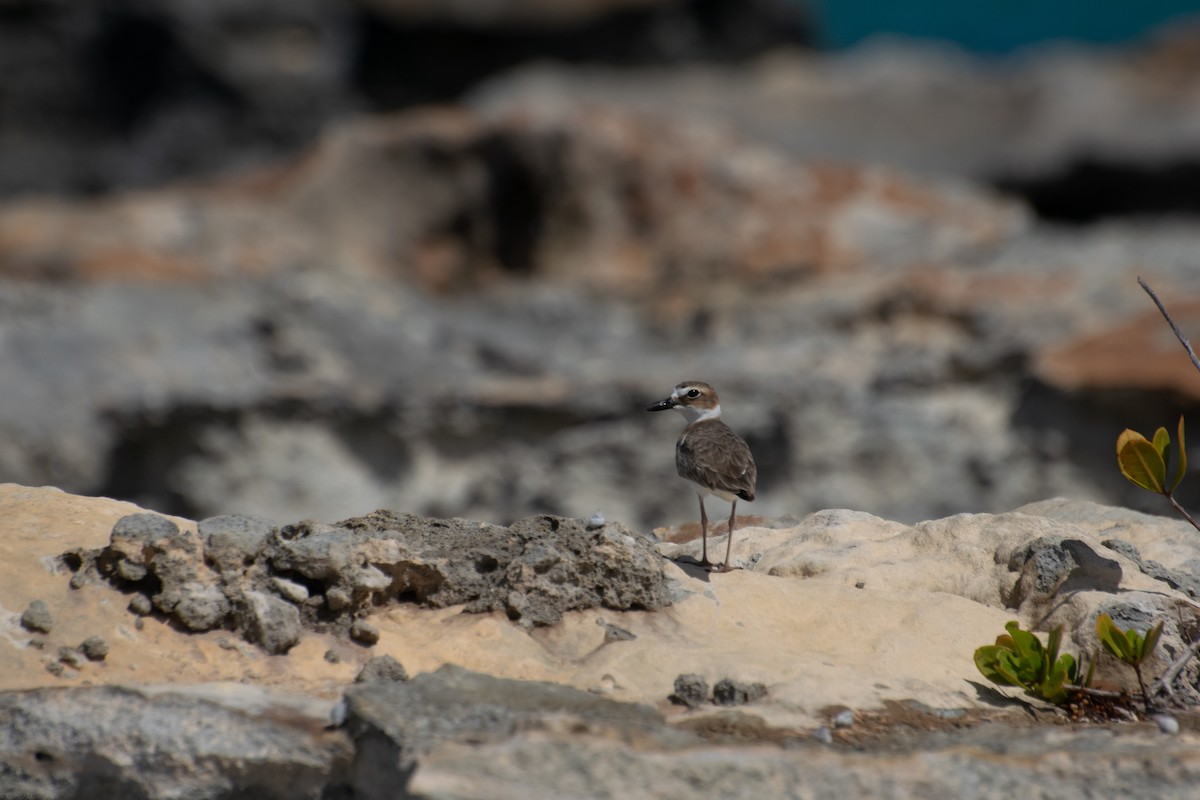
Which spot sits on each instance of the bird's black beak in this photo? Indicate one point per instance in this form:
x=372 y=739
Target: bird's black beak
x=663 y=405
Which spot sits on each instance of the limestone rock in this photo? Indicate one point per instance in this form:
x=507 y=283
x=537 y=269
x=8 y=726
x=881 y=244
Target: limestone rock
x=91 y=743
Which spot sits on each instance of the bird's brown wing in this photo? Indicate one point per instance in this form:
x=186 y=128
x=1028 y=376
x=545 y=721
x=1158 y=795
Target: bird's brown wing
x=711 y=454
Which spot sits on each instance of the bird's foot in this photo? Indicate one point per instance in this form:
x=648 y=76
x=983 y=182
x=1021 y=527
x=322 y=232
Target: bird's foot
x=706 y=564
x=726 y=567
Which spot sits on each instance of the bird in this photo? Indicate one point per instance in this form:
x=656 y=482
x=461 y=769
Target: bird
x=709 y=454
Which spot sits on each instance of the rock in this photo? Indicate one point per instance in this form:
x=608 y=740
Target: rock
x=615 y=633
x=690 y=690
x=364 y=632
x=534 y=570
x=291 y=591
x=37 y=617
x=140 y=604
x=728 y=692
x=94 y=648
x=91 y=743
x=381 y=668
x=396 y=725
x=234 y=542
x=844 y=719
x=943 y=765
x=1167 y=724
x=70 y=657
x=96 y=136
x=269 y=622
x=198 y=606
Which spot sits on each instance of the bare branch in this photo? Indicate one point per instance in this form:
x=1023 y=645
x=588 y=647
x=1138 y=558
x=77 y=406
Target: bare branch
x=1178 y=334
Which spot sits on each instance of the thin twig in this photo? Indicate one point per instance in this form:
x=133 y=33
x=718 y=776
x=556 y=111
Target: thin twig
x=1094 y=692
x=1182 y=510
x=1168 y=677
x=1178 y=334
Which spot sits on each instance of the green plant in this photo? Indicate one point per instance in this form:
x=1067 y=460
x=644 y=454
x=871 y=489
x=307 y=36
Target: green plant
x=1129 y=646
x=1019 y=659
x=1144 y=463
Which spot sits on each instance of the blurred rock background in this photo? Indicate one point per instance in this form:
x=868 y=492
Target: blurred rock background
x=309 y=259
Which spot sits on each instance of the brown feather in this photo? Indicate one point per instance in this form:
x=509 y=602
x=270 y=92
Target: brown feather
x=711 y=454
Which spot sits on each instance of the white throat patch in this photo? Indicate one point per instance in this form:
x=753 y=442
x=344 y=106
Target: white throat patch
x=692 y=414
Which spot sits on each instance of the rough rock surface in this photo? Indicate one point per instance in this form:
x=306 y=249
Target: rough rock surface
x=103 y=742
x=216 y=86
x=839 y=615
x=877 y=338
x=243 y=574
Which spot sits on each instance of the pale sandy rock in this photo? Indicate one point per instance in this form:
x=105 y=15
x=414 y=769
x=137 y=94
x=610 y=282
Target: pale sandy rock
x=839 y=608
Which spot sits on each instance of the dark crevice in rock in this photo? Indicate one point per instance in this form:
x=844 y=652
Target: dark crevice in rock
x=1090 y=190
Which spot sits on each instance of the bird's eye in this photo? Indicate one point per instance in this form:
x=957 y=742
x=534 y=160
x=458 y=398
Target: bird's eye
x=693 y=393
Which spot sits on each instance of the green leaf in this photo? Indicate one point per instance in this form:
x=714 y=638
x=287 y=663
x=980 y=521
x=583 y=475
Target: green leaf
x=1140 y=461
x=1151 y=641
x=1181 y=467
x=1024 y=643
x=1162 y=443
x=1136 y=644
x=994 y=663
x=1112 y=637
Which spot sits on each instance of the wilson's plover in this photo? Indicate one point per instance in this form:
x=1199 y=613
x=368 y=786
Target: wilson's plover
x=710 y=455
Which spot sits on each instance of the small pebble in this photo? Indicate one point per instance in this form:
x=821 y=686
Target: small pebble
x=729 y=692
x=78 y=580
x=596 y=521
x=290 y=590
x=37 y=617
x=364 y=632
x=127 y=570
x=843 y=719
x=139 y=623
x=823 y=735
x=140 y=604
x=1167 y=724
x=614 y=633
x=332 y=657
x=691 y=690
x=55 y=668
x=70 y=656
x=94 y=648
x=337 y=599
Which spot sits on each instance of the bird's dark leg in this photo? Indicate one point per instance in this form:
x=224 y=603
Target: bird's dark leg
x=727 y=567
x=704 y=562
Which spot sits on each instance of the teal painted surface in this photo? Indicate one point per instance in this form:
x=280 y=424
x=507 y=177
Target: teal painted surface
x=995 y=26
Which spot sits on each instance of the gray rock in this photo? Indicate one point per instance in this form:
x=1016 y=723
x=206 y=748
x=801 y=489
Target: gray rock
x=534 y=570
x=986 y=761
x=97 y=743
x=1176 y=579
x=140 y=604
x=233 y=542
x=364 y=632
x=381 y=668
x=198 y=606
x=37 y=617
x=728 y=692
x=70 y=657
x=395 y=725
x=270 y=622
x=95 y=648
x=1055 y=564
x=290 y=590
x=691 y=690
